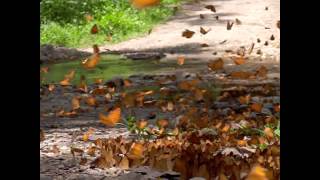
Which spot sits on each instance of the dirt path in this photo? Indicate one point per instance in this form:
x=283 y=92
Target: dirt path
x=256 y=22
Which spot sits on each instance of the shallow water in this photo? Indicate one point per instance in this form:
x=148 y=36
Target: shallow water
x=109 y=66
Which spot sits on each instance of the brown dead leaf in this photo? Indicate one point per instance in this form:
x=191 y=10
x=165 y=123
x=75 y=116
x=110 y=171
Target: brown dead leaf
x=112 y=118
x=187 y=33
x=180 y=60
x=211 y=7
x=216 y=64
x=239 y=60
x=229 y=25
x=203 y=31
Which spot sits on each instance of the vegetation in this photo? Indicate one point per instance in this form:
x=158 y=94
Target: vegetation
x=68 y=22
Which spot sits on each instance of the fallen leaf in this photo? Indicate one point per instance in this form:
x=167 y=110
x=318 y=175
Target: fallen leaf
x=211 y=7
x=229 y=25
x=203 y=31
x=251 y=48
x=187 y=33
x=94 y=29
x=136 y=151
x=204 y=45
x=112 y=118
x=239 y=60
x=238 y=22
x=180 y=60
x=272 y=37
x=257 y=173
x=216 y=64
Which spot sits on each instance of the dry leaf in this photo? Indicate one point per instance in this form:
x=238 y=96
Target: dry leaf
x=187 y=33
x=272 y=37
x=203 y=31
x=251 y=48
x=238 y=22
x=239 y=60
x=180 y=60
x=211 y=7
x=256 y=107
x=257 y=173
x=144 y=3
x=136 y=151
x=94 y=29
x=229 y=25
x=216 y=65
x=112 y=118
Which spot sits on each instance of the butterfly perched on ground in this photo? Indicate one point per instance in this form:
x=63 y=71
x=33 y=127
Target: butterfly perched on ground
x=187 y=33
x=94 y=29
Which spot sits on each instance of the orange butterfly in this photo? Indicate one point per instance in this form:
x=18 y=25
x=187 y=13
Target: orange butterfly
x=112 y=118
x=94 y=29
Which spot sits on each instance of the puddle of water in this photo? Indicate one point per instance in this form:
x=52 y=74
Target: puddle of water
x=108 y=67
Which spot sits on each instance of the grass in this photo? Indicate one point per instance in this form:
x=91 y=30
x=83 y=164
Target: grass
x=63 y=21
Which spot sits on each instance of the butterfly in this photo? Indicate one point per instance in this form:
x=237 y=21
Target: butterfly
x=94 y=29
x=211 y=7
x=229 y=25
x=187 y=33
x=203 y=31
